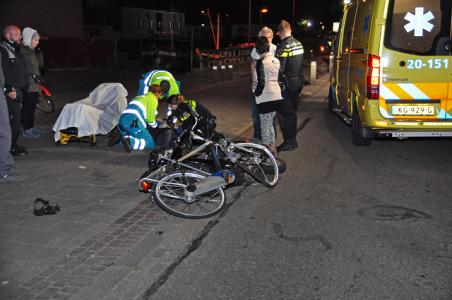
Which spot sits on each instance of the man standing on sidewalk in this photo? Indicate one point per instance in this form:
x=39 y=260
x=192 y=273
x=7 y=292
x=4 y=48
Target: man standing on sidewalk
x=16 y=82
x=290 y=54
x=6 y=159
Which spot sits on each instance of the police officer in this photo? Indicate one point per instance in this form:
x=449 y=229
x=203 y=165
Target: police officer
x=290 y=54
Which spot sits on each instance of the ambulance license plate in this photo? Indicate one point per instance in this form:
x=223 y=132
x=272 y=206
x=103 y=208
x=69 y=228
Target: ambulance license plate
x=413 y=110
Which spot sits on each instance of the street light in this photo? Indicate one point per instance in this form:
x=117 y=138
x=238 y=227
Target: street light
x=262 y=11
x=207 y=13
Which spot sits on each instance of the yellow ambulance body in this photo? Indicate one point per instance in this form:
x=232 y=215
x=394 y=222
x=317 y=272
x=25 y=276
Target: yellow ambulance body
x=392 y=69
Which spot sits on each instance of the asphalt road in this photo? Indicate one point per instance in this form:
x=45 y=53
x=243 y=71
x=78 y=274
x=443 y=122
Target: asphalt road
x=344 y=222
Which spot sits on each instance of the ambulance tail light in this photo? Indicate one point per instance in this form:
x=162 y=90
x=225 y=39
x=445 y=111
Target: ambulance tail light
x=373 y=77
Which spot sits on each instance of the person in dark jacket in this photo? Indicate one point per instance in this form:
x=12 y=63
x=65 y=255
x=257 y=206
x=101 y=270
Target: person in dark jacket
x=35 y=62
x=290 y=54
x=6 y=159
x=16 y=81
x=189 y=113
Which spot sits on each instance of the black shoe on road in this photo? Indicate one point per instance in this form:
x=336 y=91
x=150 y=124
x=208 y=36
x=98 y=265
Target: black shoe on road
x=126 y=143
x=115 y=138
x=19 y=150
x=12 y=178
x=287 y=146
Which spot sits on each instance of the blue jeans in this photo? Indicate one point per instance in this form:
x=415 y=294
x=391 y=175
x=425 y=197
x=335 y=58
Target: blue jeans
x=6 y=159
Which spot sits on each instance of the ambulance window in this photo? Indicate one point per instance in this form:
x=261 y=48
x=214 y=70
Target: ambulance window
x=362 y=25
x=417 y=26
x=348 y=28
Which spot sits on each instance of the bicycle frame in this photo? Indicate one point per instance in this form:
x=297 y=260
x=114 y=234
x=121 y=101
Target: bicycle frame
x=224 y=144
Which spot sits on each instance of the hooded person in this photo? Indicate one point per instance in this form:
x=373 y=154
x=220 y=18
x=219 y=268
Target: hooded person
x=35 y=62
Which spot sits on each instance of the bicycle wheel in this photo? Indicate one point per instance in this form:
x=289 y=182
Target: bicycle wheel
x=45 y=104
x=258 y=162
x=171 y=197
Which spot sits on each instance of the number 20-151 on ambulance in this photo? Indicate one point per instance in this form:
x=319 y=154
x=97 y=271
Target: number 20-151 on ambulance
x=438 y=63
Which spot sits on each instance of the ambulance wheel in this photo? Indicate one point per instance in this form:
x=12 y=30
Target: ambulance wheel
x=358 y=137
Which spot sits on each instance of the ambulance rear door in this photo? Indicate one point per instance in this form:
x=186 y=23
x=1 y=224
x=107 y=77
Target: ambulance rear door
x=416 y=61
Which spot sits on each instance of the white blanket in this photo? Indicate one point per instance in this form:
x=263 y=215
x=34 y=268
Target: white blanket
x=97 y=114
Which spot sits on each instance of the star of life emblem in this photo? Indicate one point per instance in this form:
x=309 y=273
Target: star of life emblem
x=419 y=22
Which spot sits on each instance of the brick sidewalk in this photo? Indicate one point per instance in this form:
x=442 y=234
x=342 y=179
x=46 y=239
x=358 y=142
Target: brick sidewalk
x=106 y=236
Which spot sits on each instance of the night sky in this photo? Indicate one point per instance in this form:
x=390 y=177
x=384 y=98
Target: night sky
x=317 y=10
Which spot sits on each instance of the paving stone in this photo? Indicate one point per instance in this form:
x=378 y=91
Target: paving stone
x=70 y=227
x=32 y=252
x=63 y=280
x=33 y=281
x=21 y=207
x=48 y=293
x=10 y=291
x=9 y=233
x=104 y=283
x=102 y=208
x=10 y=218
x=74 y=215
x=108 y=239
x=80 y=281
x=77 y=204
x=97 y=218
x=88 y=243
x=61 y=296
x=18 y=234
x=63 y=261
x=140 y=251
x=35 y=222
x=7 y=247
x=57 y=275
x=70 y=289
x=25 y=296
x=39 y=287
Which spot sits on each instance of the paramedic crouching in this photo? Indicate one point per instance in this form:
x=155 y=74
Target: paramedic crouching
x=138 y=121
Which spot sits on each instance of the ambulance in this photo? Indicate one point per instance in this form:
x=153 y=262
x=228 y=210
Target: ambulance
x=392 y=70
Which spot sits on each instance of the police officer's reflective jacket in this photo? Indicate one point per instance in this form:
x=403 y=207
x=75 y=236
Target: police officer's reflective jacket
x=192 y=112
x=290 y=54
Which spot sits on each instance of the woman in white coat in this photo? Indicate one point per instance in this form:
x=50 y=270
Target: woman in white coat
x=267 y=91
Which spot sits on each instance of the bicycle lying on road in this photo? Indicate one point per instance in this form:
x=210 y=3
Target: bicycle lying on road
x=191 y=185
